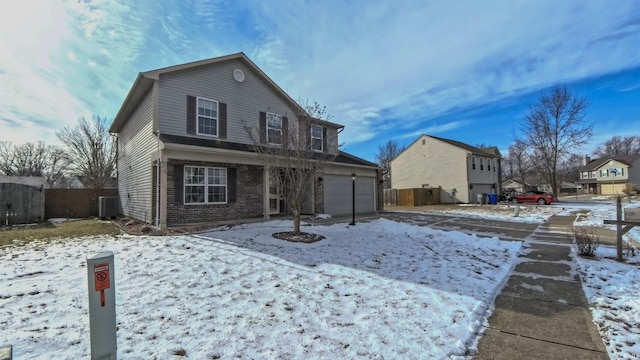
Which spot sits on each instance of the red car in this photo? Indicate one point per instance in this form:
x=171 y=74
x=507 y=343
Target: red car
x=539 y=197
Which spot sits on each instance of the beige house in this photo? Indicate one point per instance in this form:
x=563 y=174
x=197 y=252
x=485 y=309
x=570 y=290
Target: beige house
x=463 y=172
x=185 y=155
x=610 y=175
x=516 y=185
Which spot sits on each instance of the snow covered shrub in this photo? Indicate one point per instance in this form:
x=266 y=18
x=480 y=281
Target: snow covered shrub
x=587 y=241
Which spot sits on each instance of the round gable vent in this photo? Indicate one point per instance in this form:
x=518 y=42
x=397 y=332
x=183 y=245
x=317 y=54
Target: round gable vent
x=238 y=75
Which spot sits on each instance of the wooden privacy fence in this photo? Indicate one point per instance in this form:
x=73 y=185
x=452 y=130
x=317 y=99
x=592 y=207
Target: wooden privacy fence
x=412 y=197
x=390 y=197
x=21 y=204
x=74 y=203
x=419 y=196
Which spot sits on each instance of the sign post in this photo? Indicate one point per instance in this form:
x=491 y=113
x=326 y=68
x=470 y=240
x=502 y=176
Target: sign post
x=613 y=171
x=631 y=219
x=102 y=305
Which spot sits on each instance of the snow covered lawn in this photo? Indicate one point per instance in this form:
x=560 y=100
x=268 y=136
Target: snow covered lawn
x=382 y=289
x=613 y=292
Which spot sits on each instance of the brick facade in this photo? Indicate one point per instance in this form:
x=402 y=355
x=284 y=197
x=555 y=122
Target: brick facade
x=248 y=202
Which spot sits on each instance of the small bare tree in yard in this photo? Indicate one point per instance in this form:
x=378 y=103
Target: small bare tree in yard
x=295 y=150
x=554 y=128
x=92 y=150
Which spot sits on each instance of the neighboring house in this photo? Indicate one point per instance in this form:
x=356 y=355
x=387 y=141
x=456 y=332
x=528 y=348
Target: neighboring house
x=517 y=185
x=36 y=181
x=462 y=171
x=568 y=187
x=192 y=118
x=81 y=182
x=610 y=175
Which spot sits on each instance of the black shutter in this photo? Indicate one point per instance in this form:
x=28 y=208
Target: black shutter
x=222 y=119
x=231 y=185
x=263 y=127
x=191 y=114
x=285 y=130
x=307 y=126
x=178 y=182
x=324 y=139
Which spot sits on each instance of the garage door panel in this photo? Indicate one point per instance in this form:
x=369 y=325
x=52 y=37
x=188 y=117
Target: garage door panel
x=338 y=196
x=479 y=189
x=612 y=188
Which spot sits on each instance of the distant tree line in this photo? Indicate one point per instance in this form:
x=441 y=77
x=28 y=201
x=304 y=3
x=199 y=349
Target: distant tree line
x=88 y=152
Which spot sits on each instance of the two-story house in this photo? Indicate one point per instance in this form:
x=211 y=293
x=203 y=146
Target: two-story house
x=610 y=175
x=192 y=121
x=462 y=171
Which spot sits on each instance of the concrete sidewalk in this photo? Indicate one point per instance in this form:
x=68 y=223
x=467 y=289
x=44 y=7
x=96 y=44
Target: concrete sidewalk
x=542 y=312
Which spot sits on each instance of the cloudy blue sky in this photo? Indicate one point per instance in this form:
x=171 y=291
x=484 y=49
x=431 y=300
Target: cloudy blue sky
x=464 y=70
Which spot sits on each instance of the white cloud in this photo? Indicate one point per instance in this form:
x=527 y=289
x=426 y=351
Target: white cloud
x=420 y=59
x=379 y=69
x=435 y=129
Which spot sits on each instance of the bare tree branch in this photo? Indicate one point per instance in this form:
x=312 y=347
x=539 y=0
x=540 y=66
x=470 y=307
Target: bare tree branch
x=34 y=159
x=554 y=128
x=387 y=152
x=517 y=161
x=618 y=146
x=92 y=150
x=295 y=161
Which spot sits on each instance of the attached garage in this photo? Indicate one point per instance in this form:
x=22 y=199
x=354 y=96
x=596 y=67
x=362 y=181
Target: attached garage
x=612 y=188
x=479 y=189
x=338 y=194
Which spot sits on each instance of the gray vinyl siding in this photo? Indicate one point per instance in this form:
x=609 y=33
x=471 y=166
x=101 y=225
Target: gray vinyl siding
x=484 y=181
x=634 y=173
x=332 y=141
x=244 y=100
x=136 y=142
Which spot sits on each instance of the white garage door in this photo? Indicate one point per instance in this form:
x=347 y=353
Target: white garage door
x=338 y=195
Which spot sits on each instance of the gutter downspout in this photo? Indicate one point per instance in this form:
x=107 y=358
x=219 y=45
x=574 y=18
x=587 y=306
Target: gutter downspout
x=158 y=179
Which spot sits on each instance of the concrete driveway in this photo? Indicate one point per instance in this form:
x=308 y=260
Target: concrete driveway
x=506 y=230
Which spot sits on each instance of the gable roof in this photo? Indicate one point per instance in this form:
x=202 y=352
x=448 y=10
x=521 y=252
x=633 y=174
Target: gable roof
x=598 y=163
x=144 y=81
x=474 y=150
x=492 y=150
x=347 y=158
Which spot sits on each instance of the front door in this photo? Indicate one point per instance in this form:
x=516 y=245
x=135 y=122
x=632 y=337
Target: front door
x=274 y=192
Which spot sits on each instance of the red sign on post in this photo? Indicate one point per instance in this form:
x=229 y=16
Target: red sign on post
x=101 y=275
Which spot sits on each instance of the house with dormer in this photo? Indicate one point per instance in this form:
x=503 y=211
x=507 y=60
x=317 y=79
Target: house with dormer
x=185 y=155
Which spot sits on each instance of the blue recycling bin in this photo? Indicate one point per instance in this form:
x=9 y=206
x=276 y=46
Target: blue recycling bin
x=493 y=199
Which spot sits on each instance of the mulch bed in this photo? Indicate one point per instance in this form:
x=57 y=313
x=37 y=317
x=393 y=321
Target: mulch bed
x=302 y=237
x=135 y=227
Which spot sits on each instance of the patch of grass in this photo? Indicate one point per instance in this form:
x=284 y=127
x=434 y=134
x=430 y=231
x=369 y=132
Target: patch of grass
x=69 y=229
